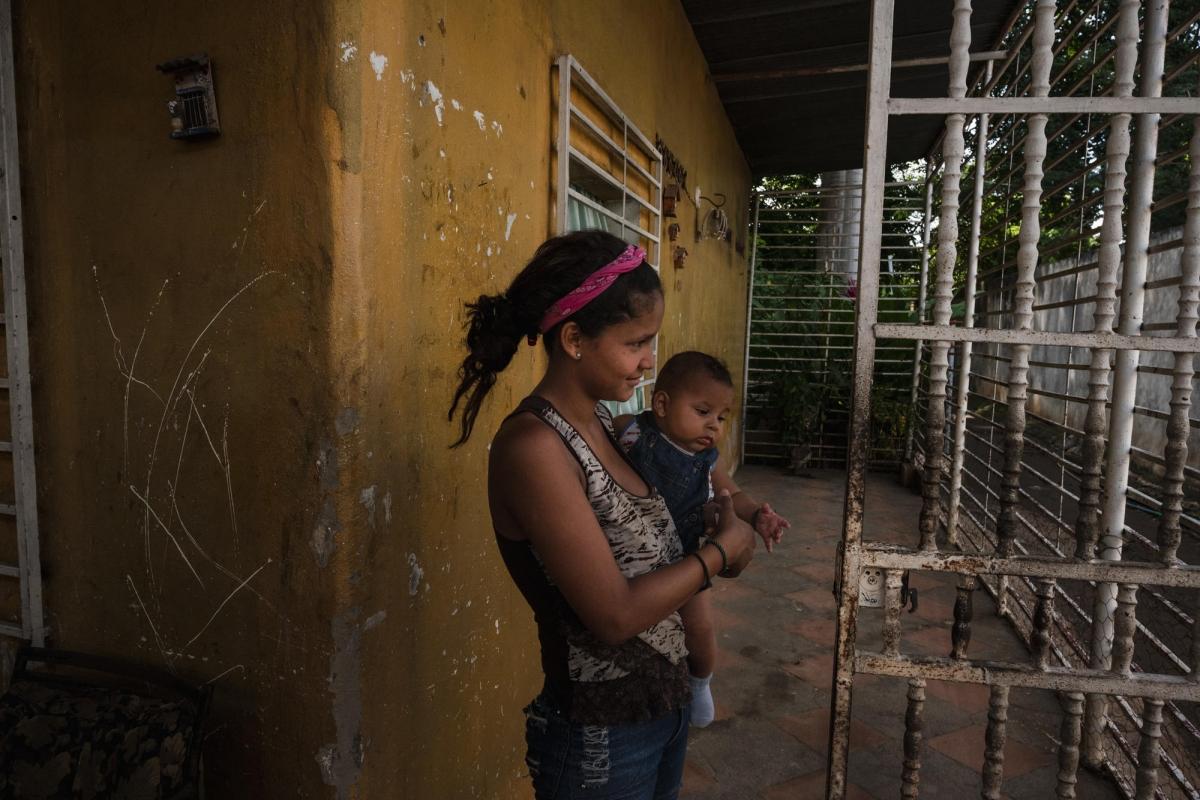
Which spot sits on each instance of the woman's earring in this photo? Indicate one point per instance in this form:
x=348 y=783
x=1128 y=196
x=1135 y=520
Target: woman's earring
x=578 y=355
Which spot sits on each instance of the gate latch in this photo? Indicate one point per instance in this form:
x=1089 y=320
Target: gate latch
x=908 y=595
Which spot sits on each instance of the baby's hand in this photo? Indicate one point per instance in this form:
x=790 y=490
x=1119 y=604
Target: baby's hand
x=770 y=526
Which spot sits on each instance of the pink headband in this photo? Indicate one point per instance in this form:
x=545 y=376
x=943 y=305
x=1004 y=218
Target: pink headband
x=592 y=287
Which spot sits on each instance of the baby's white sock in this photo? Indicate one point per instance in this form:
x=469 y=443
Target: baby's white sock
x=703 y=709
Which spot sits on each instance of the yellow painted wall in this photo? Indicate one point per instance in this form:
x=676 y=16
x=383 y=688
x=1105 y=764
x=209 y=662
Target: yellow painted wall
x=381 y=649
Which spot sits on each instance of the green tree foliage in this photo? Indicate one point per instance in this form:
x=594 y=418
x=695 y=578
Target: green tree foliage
x=1073 y=184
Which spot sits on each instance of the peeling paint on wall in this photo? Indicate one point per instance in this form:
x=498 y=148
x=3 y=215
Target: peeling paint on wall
x=341 y=761
x=379 y=64
x=324 y=760
x=435 y=97
x=366 y=499
x=327 y=466
x=346 y=422
x=349 y=50
x=324 y=535
x=415 y=573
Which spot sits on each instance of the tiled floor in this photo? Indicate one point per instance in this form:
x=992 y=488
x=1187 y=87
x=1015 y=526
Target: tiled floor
x=775 y=631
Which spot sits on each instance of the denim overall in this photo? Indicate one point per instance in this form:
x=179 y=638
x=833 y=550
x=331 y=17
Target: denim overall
x=681 y=478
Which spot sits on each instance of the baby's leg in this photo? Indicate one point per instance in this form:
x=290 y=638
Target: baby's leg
x=699 y=635
x=701 y=639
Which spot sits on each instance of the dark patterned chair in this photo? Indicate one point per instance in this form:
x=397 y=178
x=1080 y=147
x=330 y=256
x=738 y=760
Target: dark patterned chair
x=86 y=728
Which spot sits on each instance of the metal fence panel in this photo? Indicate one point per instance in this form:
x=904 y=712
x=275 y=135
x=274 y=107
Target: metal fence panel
x=1087 y=539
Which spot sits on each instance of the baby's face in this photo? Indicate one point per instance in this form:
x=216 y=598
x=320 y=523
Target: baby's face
x=694 y=415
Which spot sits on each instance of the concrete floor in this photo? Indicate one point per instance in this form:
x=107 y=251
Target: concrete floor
x=774 y=671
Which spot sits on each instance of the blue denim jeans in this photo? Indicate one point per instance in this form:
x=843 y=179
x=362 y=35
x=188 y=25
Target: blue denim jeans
x=639 y=761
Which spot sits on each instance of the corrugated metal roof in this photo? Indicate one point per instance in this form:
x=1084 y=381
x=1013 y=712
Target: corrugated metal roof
x=763 y=54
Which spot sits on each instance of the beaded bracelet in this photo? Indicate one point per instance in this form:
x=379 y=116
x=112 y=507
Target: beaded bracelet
x=724 y=556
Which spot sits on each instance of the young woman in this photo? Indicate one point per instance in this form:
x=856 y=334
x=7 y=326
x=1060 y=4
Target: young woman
x=588 y=542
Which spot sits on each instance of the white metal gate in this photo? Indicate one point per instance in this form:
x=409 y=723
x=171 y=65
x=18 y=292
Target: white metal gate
x=1118 y=337
x=800 y=330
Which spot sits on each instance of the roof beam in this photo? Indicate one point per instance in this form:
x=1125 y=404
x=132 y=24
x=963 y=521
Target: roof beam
x=807 y=72
x=724 y=16
x=920 y=41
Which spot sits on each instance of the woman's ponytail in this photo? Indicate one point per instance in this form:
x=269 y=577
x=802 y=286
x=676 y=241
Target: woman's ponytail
x=493 y=336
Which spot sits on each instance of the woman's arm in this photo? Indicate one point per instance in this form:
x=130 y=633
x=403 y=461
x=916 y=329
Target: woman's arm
x=537 y=487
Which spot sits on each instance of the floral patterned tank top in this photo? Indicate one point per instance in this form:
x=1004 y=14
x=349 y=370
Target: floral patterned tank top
x=596 y=683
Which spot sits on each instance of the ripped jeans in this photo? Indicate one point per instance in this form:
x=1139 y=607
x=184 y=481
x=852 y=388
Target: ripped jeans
x=639 y=761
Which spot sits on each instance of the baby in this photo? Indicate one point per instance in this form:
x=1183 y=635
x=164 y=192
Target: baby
x=673 y=444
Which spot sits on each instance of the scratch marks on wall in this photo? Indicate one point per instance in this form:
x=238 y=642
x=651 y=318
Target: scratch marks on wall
x=216 y=678
x=508 y=225
x=158 y=495
x=178 y=388
x=228 y=482
x=222 y=605
x=126 y=368
x=150 y=510
x=158 y=641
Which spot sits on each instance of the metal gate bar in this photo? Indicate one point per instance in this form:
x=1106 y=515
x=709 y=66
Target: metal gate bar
x=879 y=77
x=1003 y=561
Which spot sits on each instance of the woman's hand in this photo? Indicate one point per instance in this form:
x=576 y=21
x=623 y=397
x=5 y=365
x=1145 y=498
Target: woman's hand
x=733 y=534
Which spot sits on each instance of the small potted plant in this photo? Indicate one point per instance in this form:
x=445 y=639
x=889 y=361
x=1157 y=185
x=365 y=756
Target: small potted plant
x=799 y=401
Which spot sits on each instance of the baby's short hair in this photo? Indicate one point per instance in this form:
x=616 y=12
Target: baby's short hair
x=683 y=368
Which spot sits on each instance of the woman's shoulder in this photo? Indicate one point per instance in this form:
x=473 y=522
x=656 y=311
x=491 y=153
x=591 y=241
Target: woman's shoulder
x=527 y=455
x=522 y=432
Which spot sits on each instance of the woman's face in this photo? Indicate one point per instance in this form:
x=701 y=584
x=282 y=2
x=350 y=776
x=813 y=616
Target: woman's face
x=614 y=361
